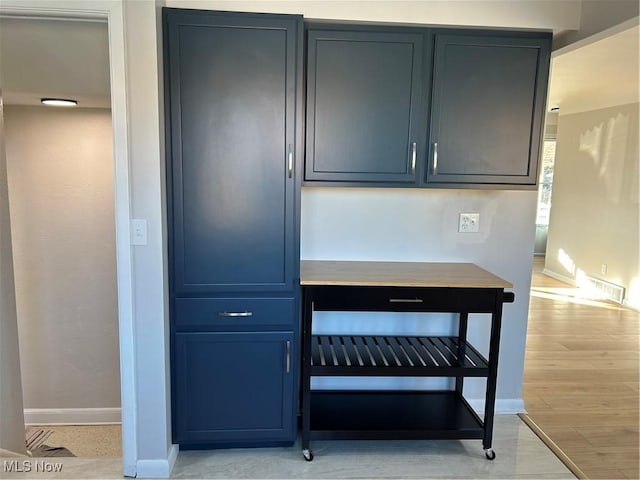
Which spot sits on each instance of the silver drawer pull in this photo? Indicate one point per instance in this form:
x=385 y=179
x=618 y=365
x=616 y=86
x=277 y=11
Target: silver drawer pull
x=405 y=300
x=235 y=314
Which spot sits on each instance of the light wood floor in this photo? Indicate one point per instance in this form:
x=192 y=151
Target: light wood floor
x=581 y=377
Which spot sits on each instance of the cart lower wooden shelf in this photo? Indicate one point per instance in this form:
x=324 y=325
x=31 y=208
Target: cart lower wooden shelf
x=394 y=415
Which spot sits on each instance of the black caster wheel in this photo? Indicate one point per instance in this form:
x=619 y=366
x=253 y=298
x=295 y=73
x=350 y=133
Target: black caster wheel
x=307 y=454
x=489 y=453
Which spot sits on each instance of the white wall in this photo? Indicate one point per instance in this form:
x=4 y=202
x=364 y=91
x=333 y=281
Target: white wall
x=60 y=170
x=594 y=217
x=143 y=36
x=11 y=407
x=554 y=15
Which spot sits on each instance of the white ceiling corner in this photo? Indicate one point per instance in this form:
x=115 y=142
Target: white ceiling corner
x=597 y=74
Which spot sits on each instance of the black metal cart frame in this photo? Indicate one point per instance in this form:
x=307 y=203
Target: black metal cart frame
x=383 y=414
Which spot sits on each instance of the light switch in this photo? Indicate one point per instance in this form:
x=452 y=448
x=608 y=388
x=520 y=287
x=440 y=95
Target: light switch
x=138 y=231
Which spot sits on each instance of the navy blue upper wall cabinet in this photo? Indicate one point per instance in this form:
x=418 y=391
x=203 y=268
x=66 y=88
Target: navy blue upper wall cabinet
x=233 y=86
x=374 y=118
x=364 y=102
x=232 y=82
x=487 y=110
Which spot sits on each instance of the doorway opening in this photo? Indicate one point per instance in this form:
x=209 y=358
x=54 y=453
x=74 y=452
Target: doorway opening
x=60 y=166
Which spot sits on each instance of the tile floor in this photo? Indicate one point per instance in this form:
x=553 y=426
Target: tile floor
x=520 y=454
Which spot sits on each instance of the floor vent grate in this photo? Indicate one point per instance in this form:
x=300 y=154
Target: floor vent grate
x=608 y=290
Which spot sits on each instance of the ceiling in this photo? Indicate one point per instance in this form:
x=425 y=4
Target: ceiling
x=597 y=74
x=70 y=59
x=54 y=58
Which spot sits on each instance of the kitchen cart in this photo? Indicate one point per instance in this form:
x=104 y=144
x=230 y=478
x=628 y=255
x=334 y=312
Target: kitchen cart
x=460 y=288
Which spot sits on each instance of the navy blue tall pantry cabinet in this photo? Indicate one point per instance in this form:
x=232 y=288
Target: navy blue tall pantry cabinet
x=233 y=114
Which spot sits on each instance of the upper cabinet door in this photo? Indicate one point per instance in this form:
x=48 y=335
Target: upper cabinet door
x=233 y=83
x=487 y=109
x=363 y=106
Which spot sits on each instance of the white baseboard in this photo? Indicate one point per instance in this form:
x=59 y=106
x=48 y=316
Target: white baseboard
x=562 y=278
x=158 y=468
x=71 y=416
x=504 y=406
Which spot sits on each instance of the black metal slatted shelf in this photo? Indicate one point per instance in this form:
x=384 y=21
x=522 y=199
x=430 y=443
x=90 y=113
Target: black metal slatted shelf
x=392 y=414
x=349 y=355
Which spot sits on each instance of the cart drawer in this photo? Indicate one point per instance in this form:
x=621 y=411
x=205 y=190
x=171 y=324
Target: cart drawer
x=234 y=312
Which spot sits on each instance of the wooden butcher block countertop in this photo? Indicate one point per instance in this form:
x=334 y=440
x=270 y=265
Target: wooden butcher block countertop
x=398 y=274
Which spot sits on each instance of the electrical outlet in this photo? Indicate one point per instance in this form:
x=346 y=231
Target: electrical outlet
x=469 y=223
x=603 y=269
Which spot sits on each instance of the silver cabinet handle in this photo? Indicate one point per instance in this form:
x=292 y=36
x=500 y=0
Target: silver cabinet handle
x=290 y=161
x=405 y=300
x=235 y=314
x=288 y=356
x=435 y=158
x=414 y=154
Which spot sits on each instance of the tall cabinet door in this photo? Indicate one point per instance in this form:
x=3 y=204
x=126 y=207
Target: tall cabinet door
x=232 y=89
x=487 y=109
x=364 y=106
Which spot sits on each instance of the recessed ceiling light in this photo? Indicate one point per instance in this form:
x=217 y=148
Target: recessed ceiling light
x=59 y=102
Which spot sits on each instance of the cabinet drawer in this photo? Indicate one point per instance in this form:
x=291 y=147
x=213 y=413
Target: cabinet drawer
x=234 y=312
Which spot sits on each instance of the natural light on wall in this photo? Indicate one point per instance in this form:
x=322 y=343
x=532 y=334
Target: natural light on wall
x=567 y=262
x=606 y=145
x=588 y=289
x=590 y=143
x=616 y=143
x=633 y=296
